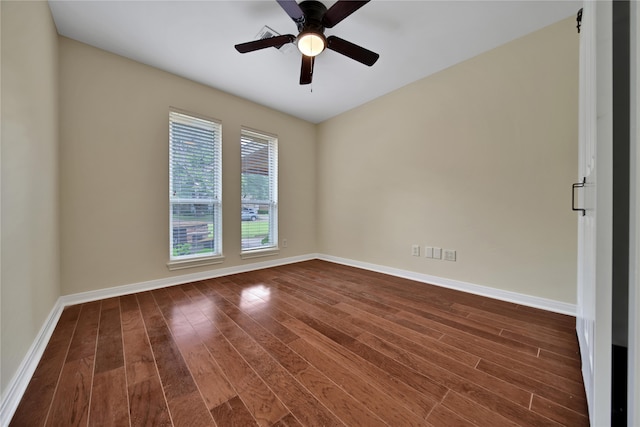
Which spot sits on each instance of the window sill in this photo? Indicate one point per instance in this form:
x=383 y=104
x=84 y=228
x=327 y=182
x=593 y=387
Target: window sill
x=258 y=253
x=195 y=262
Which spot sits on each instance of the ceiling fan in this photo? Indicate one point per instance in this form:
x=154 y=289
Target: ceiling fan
x=312 y=17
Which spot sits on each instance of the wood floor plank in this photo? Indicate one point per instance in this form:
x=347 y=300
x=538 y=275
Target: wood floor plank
x=416 y=335
x=288 y=421
x=312 y=381
x=419 y=321
x=301 y=403
x=540 y=386
x=332 y=288
x=471 y=411
x=442 y=416
x=405 y=338
x=109 y=353
x=387 y=406
x=306 y=344
x=455 y=376
x=540 y=317
x=147 y=404
x=418 y=381
x=140 y=363
x=512 y=359
x=524 y=328
x=109 y=399
x=290 y=360
x=565 y=365
x=183 y=398
x=174 y=374
x=558 y=413
x=533 y=371
x=83 y=344
x=347 y=294
x=415 y=401
x=70 y=404
x=233 y=413
x=343 y=405
x=379 y=286
x=564 y=348
x=210 y=379
x=259 y=311
x=187 y=411
x=260 y=400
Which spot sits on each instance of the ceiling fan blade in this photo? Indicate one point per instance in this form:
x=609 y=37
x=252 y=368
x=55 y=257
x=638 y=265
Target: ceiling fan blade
x=306 y=71
x=293 y=10
x=276 y=41
x=340 y=10
x=353 y=51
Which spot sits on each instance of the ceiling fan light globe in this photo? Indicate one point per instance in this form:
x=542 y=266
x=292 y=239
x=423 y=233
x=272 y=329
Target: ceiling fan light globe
x=311 y=44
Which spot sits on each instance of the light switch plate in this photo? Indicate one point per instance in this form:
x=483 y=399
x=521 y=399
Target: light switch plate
x=428 y=252
x=449 y=255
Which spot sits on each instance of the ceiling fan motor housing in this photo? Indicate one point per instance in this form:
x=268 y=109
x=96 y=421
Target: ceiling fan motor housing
x=313 y=12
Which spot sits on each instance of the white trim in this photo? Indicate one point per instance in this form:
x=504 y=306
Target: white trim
x=20 y=381
x=177 y=280
x=499 y=294
x=259 y=253
x=18 y=384
x=633 y=363
x=194 y=262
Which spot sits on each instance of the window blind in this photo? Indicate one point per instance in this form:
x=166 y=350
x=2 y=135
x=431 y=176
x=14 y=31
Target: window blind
x=195 y=146
x=259 y=186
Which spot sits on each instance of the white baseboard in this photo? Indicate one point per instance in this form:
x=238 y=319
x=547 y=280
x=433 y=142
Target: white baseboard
x=117 y=291
x=513 y=297
x=18 y=384
x=20 y=381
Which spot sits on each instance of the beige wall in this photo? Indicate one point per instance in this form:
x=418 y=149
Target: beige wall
x=478 y=158
x=29 y=177
x=114 y=168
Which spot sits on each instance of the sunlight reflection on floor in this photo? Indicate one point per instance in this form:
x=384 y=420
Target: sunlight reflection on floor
x=255 y=296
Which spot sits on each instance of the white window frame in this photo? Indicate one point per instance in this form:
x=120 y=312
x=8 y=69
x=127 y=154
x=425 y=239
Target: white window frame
x=272 y=248
x=216 y=255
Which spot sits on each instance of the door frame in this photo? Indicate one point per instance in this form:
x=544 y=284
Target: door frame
x=594 y=322
x=633 y=385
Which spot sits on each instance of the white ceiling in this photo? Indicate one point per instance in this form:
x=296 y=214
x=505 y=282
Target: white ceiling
x=195 y=39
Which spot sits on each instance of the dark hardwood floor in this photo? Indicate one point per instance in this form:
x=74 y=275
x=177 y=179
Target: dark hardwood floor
x=307 y=344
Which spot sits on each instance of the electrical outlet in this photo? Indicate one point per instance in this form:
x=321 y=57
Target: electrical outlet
x=449 y=255
x=284 y=243
x=428 y=251
x=415 y=250
x=437 y=253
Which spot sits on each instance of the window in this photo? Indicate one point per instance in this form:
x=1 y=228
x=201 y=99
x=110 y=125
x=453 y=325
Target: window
x=195 y=146
x=259 y=177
